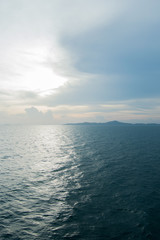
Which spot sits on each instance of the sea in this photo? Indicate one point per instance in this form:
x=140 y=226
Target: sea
x=92 y=182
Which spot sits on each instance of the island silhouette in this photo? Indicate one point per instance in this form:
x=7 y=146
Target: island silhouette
x=112 y=123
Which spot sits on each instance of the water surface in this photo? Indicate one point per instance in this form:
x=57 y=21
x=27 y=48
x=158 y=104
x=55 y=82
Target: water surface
x=79 y=182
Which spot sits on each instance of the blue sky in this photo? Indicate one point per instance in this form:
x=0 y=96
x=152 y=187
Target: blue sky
x=73 y=61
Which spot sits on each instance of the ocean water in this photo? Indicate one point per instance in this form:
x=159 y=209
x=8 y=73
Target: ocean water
x=79 y=182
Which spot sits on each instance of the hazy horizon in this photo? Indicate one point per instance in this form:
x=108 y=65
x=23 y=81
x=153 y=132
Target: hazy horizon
x=79 y=61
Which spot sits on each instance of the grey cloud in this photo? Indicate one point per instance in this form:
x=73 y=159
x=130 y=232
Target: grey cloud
x=109 y=51
x=117 y=50
x=19 y=98
x=104 y=89
x=34 y=116
x=31 y=116
x=124 y=56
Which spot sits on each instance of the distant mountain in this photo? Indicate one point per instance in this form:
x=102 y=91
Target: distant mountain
x=112 y=123
x=83 y=123
x=115 y=123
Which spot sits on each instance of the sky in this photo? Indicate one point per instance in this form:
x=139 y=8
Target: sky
x=74 y=61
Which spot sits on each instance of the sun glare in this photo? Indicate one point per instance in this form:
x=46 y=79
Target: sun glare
x=42 y=80
x=32 y=72
x=39 y=76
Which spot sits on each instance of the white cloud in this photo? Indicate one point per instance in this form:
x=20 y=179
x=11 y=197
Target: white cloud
x=30 y=33
x=111 y=40
x=31 y=116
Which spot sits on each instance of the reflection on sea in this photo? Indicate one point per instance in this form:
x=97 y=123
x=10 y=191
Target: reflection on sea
x=79 y=182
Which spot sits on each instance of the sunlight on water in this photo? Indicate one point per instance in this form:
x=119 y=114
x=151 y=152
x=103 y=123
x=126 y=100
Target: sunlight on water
x=78 y=182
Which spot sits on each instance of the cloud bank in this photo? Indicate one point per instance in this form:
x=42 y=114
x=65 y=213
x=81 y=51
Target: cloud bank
x=79 y=61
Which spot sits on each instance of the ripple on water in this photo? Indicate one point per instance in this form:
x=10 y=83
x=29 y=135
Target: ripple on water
x=78 y=182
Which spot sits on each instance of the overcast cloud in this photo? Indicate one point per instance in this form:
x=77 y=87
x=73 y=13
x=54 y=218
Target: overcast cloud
x=79 y=60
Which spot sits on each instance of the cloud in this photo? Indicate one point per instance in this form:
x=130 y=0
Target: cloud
x=108 y=53
x=103 y=89
x=34 y=116
x=128 y=45
x=31 y=116
x=140 y=110
x=121 y=59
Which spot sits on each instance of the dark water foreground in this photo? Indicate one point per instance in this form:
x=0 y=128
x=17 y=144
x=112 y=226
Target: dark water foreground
x=79 y=182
